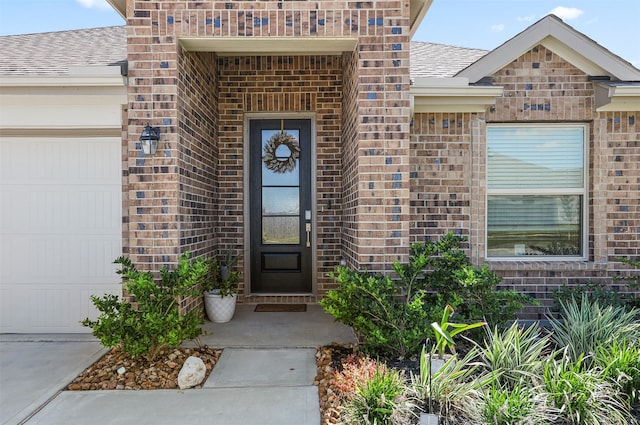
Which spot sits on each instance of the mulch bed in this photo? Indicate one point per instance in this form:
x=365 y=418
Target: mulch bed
x=139 y=373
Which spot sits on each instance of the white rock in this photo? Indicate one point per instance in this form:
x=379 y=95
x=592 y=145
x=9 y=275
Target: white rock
x=121 y=371
x=192 y=373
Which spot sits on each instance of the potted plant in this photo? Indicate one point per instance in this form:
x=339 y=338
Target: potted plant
x=228 y=262
x=220 y=294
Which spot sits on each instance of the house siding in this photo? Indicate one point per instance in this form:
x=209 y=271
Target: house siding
x=449 y=174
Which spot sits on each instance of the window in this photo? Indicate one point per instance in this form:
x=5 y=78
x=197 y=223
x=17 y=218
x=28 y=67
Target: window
x=536 y=191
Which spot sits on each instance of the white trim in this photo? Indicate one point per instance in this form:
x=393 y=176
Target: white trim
x=612 y=98
x=265 y=46
x=570 y=44
x=584 y=192
x=451 y=95
x=246 y=167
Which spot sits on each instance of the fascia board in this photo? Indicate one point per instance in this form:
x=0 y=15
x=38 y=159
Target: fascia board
x=247 y=46
x=617 y=98
x=551 y=26
x=119 y=6
x=418 y=11
x=63 y=81
x=453 y=99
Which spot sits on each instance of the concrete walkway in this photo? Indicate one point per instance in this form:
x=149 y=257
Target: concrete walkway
x=264 y=376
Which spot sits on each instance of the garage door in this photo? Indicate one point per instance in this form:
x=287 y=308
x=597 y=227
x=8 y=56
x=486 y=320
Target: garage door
x=60 y=230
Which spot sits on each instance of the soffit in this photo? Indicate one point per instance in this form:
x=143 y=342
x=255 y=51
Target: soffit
x=265 y=46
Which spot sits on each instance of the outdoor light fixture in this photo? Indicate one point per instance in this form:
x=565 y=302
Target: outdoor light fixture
x=149 y=139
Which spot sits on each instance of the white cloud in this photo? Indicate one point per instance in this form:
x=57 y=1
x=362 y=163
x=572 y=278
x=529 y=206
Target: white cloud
x=526 y=18
x=94 y=4
x=497 y=27
x=567 y=12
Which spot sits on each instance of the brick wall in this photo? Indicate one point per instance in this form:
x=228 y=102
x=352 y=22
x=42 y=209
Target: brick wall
x=263 y=84
x=449 y=168
x=171 y=203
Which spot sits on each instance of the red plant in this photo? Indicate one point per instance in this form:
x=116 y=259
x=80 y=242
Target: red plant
x=356 y=371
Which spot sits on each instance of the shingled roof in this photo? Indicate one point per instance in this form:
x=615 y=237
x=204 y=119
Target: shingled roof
x=441 y=60
x=53 y=53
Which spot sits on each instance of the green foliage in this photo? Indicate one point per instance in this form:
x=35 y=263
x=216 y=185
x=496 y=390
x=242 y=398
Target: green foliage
x=633 y=282
x=392 y=316
x=594 y=291
x=377 y=399
x=517 y=405
x=585 y=325
x=582 y=395
x=154 y=321
x=514 y=355
x=444 y=337
x=453 y=390
x=620 y=363
x=390 y=325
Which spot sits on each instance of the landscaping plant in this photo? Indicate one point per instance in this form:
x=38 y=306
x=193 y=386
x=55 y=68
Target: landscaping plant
x=517 y=405
x=584 y=326
x=620 y=363
x=583 y=395
x=392 y=317
x=514 y=355
x=153 y=321
x=444 y=336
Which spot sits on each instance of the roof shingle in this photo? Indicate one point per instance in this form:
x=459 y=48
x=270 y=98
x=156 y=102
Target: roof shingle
x=53 y=53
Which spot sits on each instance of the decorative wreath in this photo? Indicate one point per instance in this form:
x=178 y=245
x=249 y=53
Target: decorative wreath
x=281 y=164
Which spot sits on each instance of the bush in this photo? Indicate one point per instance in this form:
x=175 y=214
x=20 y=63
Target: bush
x=620 y=362
x=392 y=316
x=154 y=320
x=583 y=395
x=373 y=394
x=585 y=326
x=517 y=405
x=514 y=355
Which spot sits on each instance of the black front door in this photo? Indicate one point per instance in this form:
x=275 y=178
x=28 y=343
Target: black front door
x=280 y=205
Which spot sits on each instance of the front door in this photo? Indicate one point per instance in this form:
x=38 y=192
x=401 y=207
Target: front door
x=280 y=205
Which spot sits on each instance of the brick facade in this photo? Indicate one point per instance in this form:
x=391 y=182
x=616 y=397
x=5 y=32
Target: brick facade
x=448 y=169
x=189 y=196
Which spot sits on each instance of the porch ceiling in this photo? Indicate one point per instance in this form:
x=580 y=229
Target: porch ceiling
x=269 y=46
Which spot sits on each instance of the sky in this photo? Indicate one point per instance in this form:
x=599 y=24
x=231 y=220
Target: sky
x=484 y=24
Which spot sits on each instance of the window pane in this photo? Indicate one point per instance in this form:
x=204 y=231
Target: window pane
x=535 y=157
x=280 y=230
x=534 y=225
x=273 y=178
x=280 y=201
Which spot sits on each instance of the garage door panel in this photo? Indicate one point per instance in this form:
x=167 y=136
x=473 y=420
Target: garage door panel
x=60 y=230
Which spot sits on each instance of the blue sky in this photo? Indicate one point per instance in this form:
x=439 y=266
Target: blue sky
x=615 y=24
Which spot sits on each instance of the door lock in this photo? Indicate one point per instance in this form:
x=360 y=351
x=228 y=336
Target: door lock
x=308 y=229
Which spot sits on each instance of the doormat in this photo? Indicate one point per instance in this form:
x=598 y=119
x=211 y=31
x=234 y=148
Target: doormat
x=281 y=308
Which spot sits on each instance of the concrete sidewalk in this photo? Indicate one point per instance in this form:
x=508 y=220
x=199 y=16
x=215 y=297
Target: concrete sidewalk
x=264 y=376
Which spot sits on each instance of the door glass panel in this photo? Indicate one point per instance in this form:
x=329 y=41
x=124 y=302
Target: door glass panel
x=280 y=176
x=280 y=230
x=280 y=201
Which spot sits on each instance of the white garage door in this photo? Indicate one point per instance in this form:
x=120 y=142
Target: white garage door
x=60 y=230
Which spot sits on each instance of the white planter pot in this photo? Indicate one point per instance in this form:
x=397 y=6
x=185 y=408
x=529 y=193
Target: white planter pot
x=219 y=309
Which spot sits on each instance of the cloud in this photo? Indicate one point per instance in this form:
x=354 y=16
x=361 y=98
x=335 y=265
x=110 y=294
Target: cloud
x=94 y=4
x=567 y=12
x=526 y=18
x=497 y=27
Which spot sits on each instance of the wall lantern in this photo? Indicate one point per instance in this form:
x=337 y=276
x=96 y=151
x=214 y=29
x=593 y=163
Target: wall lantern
x=149 y=139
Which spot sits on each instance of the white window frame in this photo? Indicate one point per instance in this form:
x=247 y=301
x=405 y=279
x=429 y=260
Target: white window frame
x=584 y=192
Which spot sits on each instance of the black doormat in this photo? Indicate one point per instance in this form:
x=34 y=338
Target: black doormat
x=281 y=308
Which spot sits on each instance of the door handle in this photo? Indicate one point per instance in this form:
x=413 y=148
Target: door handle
x=308 y=229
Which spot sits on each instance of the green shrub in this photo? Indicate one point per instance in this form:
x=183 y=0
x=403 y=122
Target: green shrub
x=585 y=325
x=594 y=291
x=392 y=316
x=452 y=391
x=515 y=355
x=583 y=396
x=517 y=405
x=378 y=399
x=620 y=362
x=154 y=320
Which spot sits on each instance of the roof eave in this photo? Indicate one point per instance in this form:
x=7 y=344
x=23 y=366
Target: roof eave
x=619 y=98
x=120 y=6
x=418 y=10
x=451 y=95
x=572 y=45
